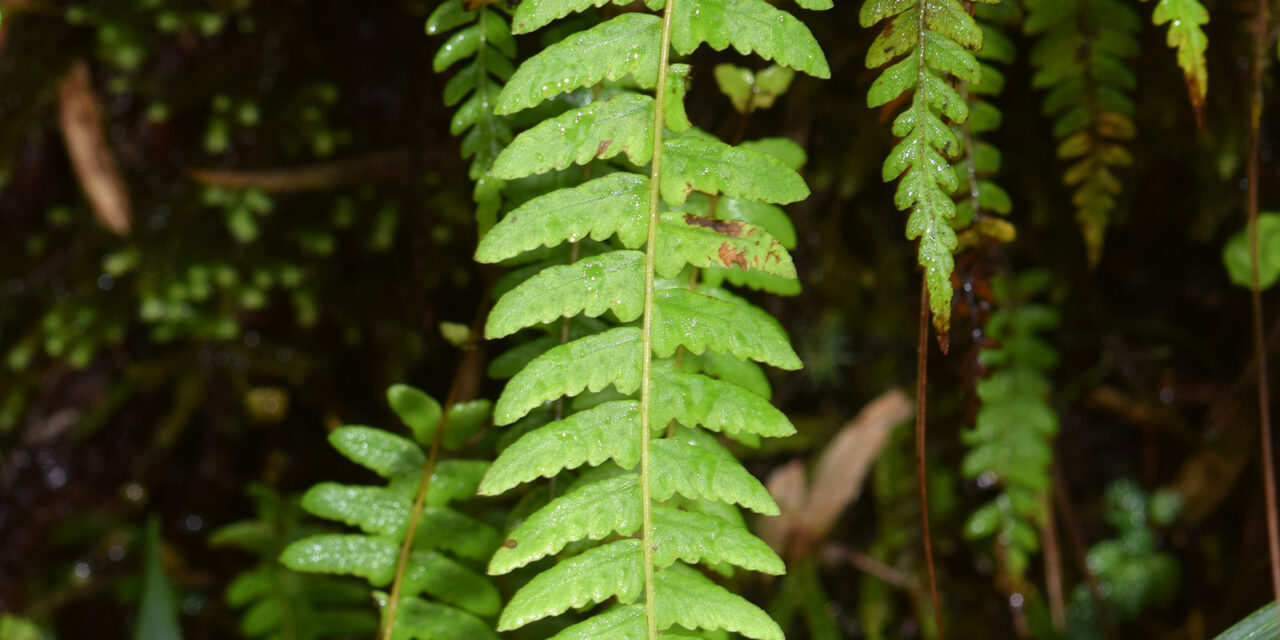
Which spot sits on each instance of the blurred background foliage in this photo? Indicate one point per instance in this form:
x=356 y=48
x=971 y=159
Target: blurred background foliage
x=299 y=223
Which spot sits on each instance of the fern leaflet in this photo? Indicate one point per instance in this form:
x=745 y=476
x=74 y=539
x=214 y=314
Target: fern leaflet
x=1186 y=19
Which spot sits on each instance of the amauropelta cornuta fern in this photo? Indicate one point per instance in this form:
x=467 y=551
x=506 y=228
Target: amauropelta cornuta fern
x=978 y=194
x=487 y=41
x=932 y=41
x=447 y=543
x=1011 y=443
x=667 y=490
x=1079 y=59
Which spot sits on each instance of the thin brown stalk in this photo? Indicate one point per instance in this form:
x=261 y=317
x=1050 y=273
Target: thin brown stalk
x=1259 y=340
x=1062 y=501
x=922 y=362
x=1053 y=565
x=467 y=363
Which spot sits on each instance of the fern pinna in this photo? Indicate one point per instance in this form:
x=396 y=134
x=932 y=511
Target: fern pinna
x=447 y=544
x=669 y=489
x=1079 y=59
x=487 y=40
x=935 y=40
x=1010 y=444
x=1185 y=19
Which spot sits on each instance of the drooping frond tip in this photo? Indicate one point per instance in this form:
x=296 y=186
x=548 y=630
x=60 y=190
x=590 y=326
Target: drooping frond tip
x=932 y=41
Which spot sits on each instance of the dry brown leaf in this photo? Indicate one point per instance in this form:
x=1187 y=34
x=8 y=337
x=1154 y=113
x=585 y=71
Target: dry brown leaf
x=790 y=489
x=91 y=156
x=843 y=467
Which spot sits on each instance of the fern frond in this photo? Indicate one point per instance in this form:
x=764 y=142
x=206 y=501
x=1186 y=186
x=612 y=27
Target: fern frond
x=671 y=215
x=486 y=38
x=1079 y=58
x=278 y=602
x=1011 y=441
x=1185 y=19
x=937 y=38
x=383 y=513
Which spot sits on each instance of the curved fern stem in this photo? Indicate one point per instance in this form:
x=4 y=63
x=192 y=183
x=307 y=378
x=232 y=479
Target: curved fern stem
x=646 y=331
x=922 y=387
x=1259 y=340
x=428 y=469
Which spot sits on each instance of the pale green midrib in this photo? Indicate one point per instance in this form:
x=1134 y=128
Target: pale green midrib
x=646 y=332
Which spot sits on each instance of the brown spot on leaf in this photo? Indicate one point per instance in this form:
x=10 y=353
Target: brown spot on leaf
x=604 y=146
x=510 y=543
x=731 y=228
x=730 y=256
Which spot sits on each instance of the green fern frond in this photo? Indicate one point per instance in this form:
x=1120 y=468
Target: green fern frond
x=935 y=39
x=1079 y=58
x=705 y=205
x=1185 y=19
x=486 y=38
x=978 y=194
x=278 y=602
x=1011 y=441
x=465 y=596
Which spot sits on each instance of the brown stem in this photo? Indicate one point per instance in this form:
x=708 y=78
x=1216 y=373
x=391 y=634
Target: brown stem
x=922 y=361
x=1259 y=340
x=1053 y=565
x=379 y=165
x=869 y=565
x=467 y=363
x=1075 y=539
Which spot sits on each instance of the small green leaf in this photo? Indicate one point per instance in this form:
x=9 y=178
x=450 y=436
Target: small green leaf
x=600 y=130
x=449 y=15
x=1236 y=255
x=696 y=321
x=419 y=411
x=737 y=84
x=691 y=600
x=607 y=431
x=744 y=373
x=625 y=45
x=384 y=453
x=593 y=511
x=677 y=84
x=373 y=559
x=696 y=400
x=418 y=619
x=690 y=469
x=591 y=363
x=614 y=569
x=614 y=204
x=459 y=46
x=706 y=242
x=624 y=622
x=784 y=149
x=158 y=609
x=530 y=16
x=750 y=26
x=694 y=537
x=612 y=281
x=697 y=164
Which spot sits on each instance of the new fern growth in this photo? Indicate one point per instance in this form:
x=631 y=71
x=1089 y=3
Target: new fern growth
x=487 y=41
x=932 y=41
x=1080 y=59
x=670 y=491
x=1011 y=441
x=448 y=544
